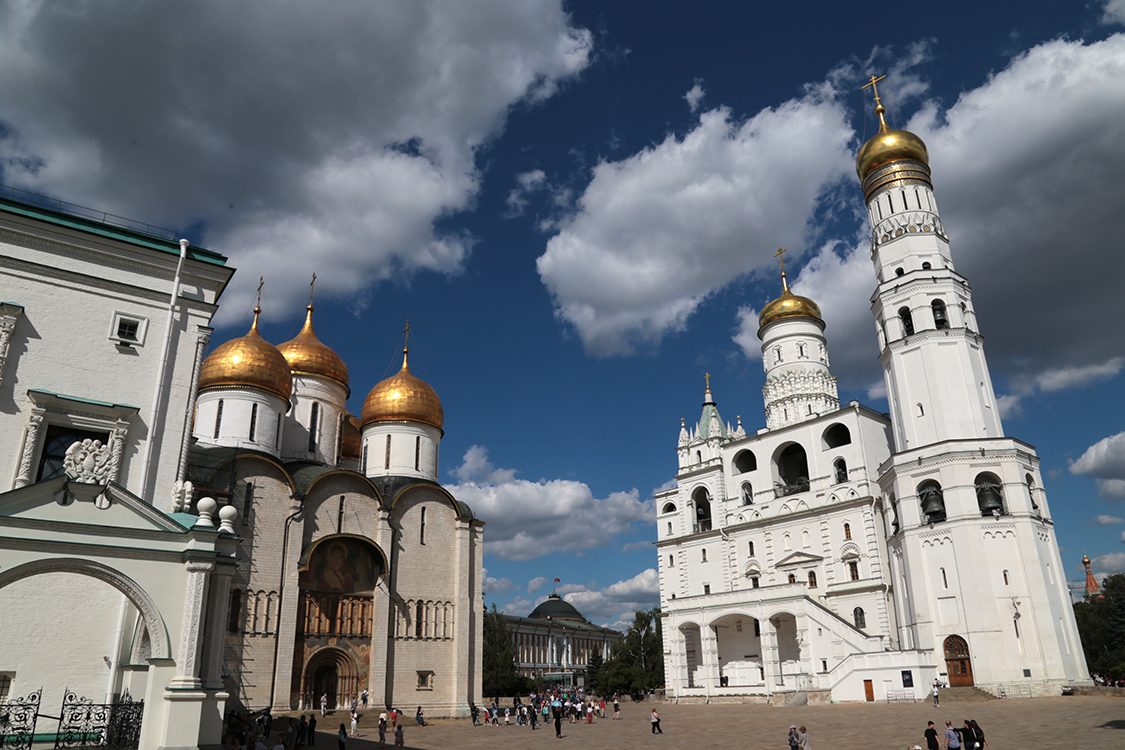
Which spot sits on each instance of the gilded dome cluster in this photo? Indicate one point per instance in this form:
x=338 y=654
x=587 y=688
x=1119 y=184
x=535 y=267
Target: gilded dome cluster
x=253 y=362
x=248 y=362
x=403 y=398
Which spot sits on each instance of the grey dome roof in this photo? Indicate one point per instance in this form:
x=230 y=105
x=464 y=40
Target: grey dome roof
x=556 y=609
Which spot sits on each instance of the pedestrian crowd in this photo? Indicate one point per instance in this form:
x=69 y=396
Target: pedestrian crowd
x=552 y=706
x=967 y=737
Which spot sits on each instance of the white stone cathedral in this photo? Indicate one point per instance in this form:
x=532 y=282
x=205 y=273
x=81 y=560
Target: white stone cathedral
x=844 y=555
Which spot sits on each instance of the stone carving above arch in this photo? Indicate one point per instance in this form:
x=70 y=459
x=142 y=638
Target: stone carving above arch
x=849 y=550
x=154 y=622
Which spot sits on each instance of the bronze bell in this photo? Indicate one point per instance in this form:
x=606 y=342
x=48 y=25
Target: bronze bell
x=933 y=504
x=989 y=499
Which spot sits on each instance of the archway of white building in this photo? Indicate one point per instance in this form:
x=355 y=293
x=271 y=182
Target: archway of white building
x=739 y=651
x=693 y=652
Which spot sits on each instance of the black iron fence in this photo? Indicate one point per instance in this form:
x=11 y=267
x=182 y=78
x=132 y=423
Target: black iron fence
x=81 y=723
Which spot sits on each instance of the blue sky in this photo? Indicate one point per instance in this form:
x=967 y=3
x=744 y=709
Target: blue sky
x=576 y=205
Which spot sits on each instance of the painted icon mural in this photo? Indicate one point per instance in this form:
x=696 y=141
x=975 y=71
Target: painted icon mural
x=343 y=566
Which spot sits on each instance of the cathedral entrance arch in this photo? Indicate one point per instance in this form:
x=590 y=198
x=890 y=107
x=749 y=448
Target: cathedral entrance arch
x=335 y=616
x=957 y=662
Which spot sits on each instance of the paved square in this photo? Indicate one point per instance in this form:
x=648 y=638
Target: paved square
x=1064 y=723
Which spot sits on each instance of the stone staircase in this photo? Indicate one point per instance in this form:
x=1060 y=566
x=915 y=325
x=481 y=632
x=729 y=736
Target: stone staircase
x=963 y=694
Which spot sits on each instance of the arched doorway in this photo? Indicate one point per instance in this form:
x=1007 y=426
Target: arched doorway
x=957 y=662
x=331 y=672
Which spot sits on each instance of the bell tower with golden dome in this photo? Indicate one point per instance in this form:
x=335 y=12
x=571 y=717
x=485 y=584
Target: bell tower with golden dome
x=932 y=352
x=401 y=426
x=795 y=356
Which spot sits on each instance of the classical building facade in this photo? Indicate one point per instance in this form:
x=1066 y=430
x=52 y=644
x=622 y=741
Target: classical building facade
x=854 y=555
x=357 y=570
x=105 y=594
x=556 y=642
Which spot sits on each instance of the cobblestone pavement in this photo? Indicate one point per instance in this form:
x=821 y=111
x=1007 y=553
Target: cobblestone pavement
x=1064 y=723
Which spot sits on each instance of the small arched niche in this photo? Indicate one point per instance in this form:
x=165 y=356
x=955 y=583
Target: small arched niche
x=745 y=461
x=837 y=435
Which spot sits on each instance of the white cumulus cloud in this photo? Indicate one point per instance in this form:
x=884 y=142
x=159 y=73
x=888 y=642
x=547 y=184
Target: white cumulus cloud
x=658 y=232
x=695 y=95
x=1107 y=520
x=1114 y=562
x=327 y=137
x=1104 y=461
x=529 y=519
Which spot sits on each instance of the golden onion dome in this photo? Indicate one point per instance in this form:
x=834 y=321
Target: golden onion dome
x=351 y=444
x=788 y=305
x=403 y=398
x=889 y=146
x=306 y=355
x=248 y=362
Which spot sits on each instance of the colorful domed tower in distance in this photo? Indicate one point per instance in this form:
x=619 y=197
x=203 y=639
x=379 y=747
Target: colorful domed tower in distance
x=402 y=426
x=244 y=391
x=314 y=429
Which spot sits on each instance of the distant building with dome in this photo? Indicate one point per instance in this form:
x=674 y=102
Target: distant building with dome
x=850 y=555
x=357 y=569
x=555 y=642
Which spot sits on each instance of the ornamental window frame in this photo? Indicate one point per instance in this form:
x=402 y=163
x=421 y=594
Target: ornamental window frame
x=56 y=409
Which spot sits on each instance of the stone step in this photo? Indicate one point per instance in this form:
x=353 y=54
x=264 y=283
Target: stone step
x=964 y=694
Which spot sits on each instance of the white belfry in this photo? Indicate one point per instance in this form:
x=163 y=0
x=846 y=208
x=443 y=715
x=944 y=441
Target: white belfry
x=851 y=555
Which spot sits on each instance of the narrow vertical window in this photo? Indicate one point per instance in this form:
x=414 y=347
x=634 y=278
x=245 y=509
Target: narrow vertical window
x=422 y=528
x=365 y=458
x=812 y=579
x=218 y=418
x=754 y=582
x=253 y=421
x=853 y=570
x=669 y=528
x=847 y=531
x=1006 y=581
x=314 y=422
x=704 y=555
x=944 y=580
x=339 y=439
x=751 y=549
x=277 y=432
x=792 y=578
x=387 y=454
x=907 y=321
x=671 y=561
x=860 y=618
x=417 y=452
x=419 y=611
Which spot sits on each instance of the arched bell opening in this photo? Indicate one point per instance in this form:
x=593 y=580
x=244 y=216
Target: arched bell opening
x=701 y=499
x=990 y=498
x=933 y=501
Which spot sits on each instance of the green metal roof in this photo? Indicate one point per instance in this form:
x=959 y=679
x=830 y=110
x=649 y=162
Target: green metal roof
x=80 y=400
x=145 y=235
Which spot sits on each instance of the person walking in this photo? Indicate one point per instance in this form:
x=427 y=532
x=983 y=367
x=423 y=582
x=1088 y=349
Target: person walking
x=655 y=719
x=323 y=704
x=804 y=742
x=616 y=709
x=400 y=740
x=794 y=738
x=979 y=733
x=382 y=732
x=952 y=739
x=341 y=738
x=363 y=698
x=935 y=693
x=932 y=742
x=420 y=718
x=355 y=723
x=312 y=730
x=394 y=717
x=556 y=711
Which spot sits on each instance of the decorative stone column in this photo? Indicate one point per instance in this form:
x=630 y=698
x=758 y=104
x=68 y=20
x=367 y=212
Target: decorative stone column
x=203 y=336
x=191 y=632
x=32 y=435
x=675 y=663
x=8 y=315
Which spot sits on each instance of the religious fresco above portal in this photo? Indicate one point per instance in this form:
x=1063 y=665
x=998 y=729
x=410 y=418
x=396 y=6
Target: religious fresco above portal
x=343 y=566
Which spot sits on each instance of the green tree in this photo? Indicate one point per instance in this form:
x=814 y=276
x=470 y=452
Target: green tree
x=637 y=663
x=498 y=654
x=1101 y=625
x=594 y=672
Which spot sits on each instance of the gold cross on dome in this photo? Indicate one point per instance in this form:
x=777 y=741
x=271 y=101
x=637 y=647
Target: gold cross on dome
x=406 y=333
x=261 y=281
x=780 y=254
x=707 y=377
x=312 y=286
x=874 y=88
